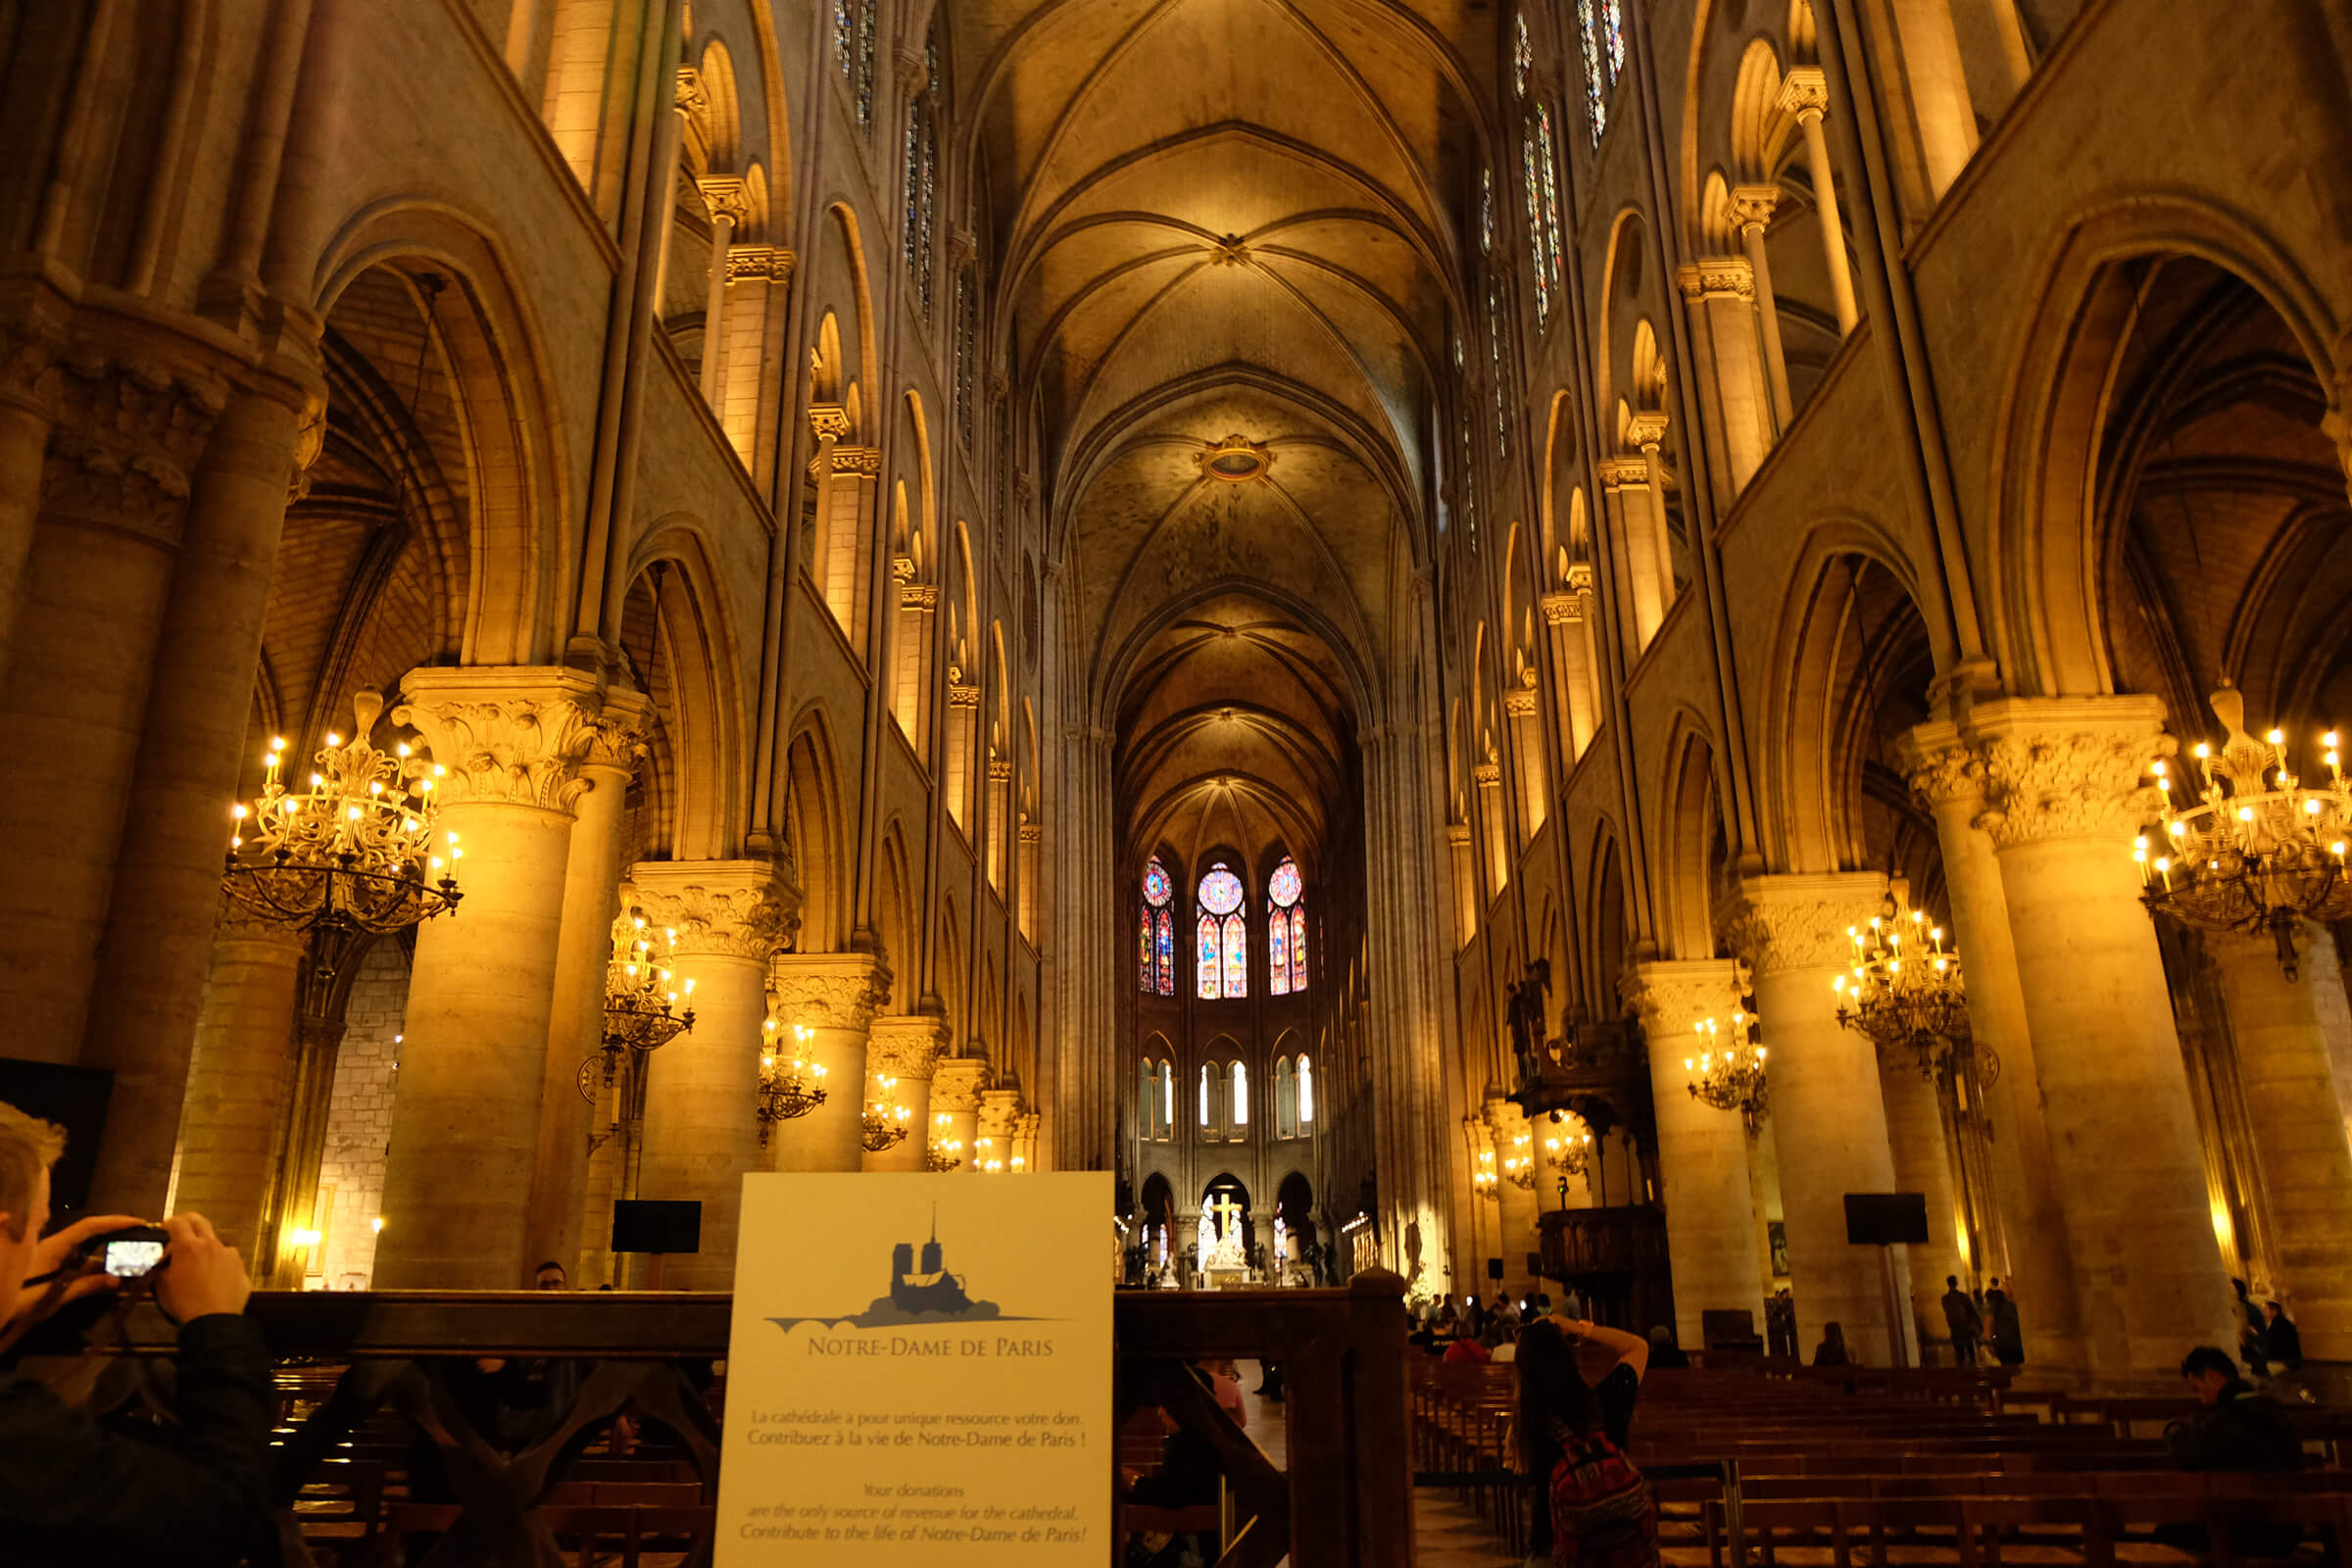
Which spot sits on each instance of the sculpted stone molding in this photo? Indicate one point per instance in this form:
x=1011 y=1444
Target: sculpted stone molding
x=830 y=990
x=1645 y=431
x=718 y=909
x=507 y=736
x=963 y=695
x=1673 y=995
x=689 y=97
x=828 y=422
x=958 y=1083
x=1618 y=474
x=125 y=443
x=1717 y=277
x=919 y=596
x=1488 y=776
x=29 y=351
x=727 y=197
x=906 y=1048
x=2066 y=767
x=753 y=263
x=863 y=462
x=616 y=740
x=1519 y=703
x=1780 y=923
x=1751 y=205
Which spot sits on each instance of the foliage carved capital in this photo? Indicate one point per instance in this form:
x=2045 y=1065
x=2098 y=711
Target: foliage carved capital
x=2066 y=767
x=718 y=909
x=1781 y=923
x=504 y=736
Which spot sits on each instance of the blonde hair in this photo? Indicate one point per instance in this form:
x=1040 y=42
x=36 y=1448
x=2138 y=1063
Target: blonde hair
x=28 y=1146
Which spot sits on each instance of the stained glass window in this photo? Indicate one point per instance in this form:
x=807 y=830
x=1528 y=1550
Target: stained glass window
x=1539 y=263
x=922 y=177
x=845 y=29
x=1523 y=55
x=1502 y=425
x=1614 y=12
x=1158 y=931
x=1596 y=83
x=1224 y=936
x=1547 y=165
x=1286 y=929
x=867 y=25
x=1485 y=210
x=968 y=345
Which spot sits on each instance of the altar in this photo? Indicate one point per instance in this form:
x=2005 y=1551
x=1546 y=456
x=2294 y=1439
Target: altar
x=1224 y=1255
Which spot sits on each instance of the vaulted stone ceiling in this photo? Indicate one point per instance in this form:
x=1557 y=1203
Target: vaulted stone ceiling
x=1227 y=237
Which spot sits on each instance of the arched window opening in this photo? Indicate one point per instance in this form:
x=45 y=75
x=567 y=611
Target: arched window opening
x=1223 y=934
x=1306 y=1095
x=1486 y=211
x=1239 y=1122
x=1167 y=1099
x=922 y=175
x=1286 y=930
x=1156 y=1105
x=1159 y=932
x=855 y=28
x=968 y=353
x=1286 y=1097
x=1207 y=1109
x=1502 y=423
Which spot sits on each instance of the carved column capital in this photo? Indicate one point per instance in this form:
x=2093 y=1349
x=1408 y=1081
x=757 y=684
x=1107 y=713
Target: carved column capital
x=830 y=990
x=718 y=909
x=1673 y=995
x=506 y=736
x=29 y=345
x=1751 y=205
x=727 y=197
x=958 y=1083
x=1563 y=609
x=1939 y=764
x=616 y=740
x=1647 y=432
x=828 y=422
x=2065 y=768
x=126 y=442
x=1780 y=923
x=1805 y=92
x=864 y=462
x=963 y=697
x=1617 y=474
x=690 y=96
x=1520 y=701
x=908 y=1048
x=1718 y=277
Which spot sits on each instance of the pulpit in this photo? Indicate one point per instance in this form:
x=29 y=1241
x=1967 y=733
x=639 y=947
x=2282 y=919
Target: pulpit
x=1615 y=1260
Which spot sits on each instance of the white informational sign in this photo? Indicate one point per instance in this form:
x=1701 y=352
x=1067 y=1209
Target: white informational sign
x=920 y=1373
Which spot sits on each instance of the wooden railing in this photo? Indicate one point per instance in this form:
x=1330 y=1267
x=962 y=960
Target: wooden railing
x=374 y=1382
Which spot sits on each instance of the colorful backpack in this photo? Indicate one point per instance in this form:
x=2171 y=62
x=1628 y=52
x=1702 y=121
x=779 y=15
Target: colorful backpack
x=1602 y=1512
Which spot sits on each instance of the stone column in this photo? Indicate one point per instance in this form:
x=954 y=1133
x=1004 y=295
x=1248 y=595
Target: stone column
x=1751 y=214
x=835 y=995
x=1824 y=1096
x=2298 y=1126
x=236 y=1090
x=957 y=1084
x=167 y=877
x=908 y=1049
x=28 y=381
x=2063 y=801
x=575 y=1027
x=1923 y=1164
x=1631 y=517
x=1568 y=625
x=465 y=1122
x=700 y=1134
x=728 y=206
x=1805 y=94
x=1648 y=432
x=1944 y=774
x=1720 y=295
x=1713 y=1233
x=115 y=482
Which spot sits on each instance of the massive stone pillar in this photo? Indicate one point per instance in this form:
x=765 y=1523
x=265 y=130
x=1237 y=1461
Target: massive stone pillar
x=465 y=1122
x=167 y=875
x=700 y=1134
x=2032 y=1250
x=2063 y=801
x=2279 y=1029
x=834 y=996
x=575 y=1024
x=907 y=1050
x=1824 y=1081
x=114 y=482
x=1923 y=1164
x=957 y=1084
x=236 y=1090
x=1712 y=1229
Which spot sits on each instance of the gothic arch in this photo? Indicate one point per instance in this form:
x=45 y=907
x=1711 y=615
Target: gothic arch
x=1689 y=833
x=817 y=833
x=703 y=718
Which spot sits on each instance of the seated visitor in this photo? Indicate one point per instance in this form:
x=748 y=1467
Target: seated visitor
x=1663 y=1351
x=73 y=1492
x=2241 y=1431
x=1466 y=1352
x=2282 y=1340
x=1831 y=1352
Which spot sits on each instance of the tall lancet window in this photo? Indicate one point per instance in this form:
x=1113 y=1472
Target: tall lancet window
x=1157 y=931
x=922 y=175
x=1538 y=183
x=1223 y=934
x=855 y=27
x=1286 y=930
x=1602 y=24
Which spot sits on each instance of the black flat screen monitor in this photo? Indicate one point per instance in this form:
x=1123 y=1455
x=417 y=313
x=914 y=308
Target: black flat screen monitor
x=656 y=1225
x=1885 y=1219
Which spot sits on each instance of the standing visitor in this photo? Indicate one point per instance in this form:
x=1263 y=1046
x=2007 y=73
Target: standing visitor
x=2008 y=1335
x=1831 y=1352
x=1572 y=1432
x=2282 y=1340
x=1961 y=1318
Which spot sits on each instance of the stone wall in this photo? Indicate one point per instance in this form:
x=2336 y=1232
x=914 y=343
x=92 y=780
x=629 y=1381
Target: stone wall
x=360 y=1126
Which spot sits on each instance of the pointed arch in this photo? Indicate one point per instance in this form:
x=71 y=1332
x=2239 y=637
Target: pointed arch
x=817 y=833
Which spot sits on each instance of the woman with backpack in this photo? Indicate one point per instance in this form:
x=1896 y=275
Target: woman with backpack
x=1578 y=1382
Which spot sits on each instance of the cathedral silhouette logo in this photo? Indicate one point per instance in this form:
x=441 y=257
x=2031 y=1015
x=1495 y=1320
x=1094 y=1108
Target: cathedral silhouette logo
x=929 y=1294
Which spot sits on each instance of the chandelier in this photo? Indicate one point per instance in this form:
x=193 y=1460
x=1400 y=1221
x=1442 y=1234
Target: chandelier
x=1570 y=1151
x=1904 y=988
x=2247 y=855
x=788 y=1088
x=1482 y=1180
x=1519 y=1165
x=944 y=1152
x=1727 y=1073
x=885 y=1119
x=642 y=993
x=356 y=854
